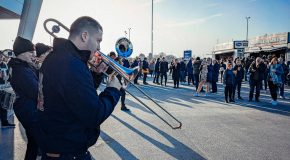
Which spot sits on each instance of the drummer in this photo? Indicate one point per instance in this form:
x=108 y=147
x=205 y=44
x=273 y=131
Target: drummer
x=3 y=112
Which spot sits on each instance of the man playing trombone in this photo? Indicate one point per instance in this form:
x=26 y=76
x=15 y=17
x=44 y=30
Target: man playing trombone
x=73 y=112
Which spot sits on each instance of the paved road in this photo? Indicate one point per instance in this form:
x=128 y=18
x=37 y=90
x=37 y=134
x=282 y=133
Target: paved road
x=211 y=129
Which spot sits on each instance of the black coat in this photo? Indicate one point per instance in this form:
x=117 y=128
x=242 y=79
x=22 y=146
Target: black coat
x=196 y=67
x=145 y=65
x=157 y=66
x=73 y=112
x=209 y=73
x=189 y=67
x=182 y=66
x=163 y=67
x=257 y=73
x=215 y=73
x=240 y=73
x=176 y=71
x=229 y=77
x=24 y=81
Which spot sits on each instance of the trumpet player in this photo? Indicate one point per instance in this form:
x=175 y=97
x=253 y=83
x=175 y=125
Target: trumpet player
x=73 y=112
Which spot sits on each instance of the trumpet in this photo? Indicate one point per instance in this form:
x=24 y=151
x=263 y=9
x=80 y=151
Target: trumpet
x=124 y=49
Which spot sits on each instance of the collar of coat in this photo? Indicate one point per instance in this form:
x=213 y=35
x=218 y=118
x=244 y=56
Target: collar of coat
x=18 y=62
x=59 y=44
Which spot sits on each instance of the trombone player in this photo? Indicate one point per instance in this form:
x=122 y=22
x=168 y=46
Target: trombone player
x=73 y=112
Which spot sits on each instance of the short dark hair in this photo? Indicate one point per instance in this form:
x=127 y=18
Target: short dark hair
x=84 y=23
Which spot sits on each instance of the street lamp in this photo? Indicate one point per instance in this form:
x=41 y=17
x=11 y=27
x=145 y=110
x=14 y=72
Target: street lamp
x=152 y=28
x=247 y=18
x=129 y=32
x=125 y=33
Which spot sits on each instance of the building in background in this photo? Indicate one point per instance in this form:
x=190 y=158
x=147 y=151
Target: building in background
x=270 y=44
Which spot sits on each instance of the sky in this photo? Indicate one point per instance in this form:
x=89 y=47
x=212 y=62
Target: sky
x=179 y=25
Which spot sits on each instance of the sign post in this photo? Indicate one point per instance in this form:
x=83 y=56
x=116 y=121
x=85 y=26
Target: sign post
x=187 y=54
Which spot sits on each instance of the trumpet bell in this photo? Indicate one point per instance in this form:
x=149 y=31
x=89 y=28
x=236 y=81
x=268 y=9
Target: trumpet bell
x=124 y=47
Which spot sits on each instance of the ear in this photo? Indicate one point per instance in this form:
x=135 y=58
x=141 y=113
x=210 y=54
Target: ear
x=84 y=36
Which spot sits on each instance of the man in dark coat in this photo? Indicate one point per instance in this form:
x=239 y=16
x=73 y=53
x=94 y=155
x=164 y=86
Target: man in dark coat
x=189 y=68
x=182 y=70
x=163 y=70
x=157 y=71
x=256 y=71
x=215 y=76
x=24 y=81
x=175 y=73
x=135 y=64
x=73 y=112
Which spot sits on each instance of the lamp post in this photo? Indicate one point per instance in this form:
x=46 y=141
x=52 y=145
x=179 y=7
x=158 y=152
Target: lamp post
x=247 y=18
x=129 y=32
x=152 y=28
x=125 y=33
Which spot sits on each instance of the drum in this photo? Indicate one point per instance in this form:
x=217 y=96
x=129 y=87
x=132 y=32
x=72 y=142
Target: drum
x=7 y=98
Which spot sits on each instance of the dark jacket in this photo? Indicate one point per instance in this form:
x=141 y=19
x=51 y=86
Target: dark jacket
x=209 y=73
x=163 y=67
x=182 y=66
x=24 y=81
x=189 y=67
x=196 y=67
x=229 y=77
x=73 y=112
x=176 y=71
x=3 y=67
x=126 y=63
x=135 y=63
x=240 y=73
x=145 y=65
x=285 y=72
x=157 y=66
x=215 y=73
x=257 y=73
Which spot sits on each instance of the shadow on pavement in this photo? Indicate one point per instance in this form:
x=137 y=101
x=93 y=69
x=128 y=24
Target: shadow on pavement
x=179 y=151
x=117 y=147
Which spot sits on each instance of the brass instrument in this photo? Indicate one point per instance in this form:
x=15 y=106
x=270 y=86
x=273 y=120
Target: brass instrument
x=124 y=46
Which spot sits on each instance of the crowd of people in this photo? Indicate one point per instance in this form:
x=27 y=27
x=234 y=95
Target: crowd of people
x=261 y=73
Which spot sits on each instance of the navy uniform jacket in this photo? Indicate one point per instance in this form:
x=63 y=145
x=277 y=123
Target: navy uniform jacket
x=73 y=112
x=24 y=81
x=229 y=77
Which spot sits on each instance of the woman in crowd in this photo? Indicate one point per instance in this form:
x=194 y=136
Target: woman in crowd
x=203 y=78
x=274 y=79
x=229 y=80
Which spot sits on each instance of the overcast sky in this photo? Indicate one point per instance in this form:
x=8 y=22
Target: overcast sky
x=178 y=24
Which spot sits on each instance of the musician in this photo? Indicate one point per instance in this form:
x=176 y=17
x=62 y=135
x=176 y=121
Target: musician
x=73 y=112
x=24 y=81
x=3 y=112
x=274 y=79
x=123 y=92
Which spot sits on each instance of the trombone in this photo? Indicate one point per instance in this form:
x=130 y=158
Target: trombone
x=124 y=48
